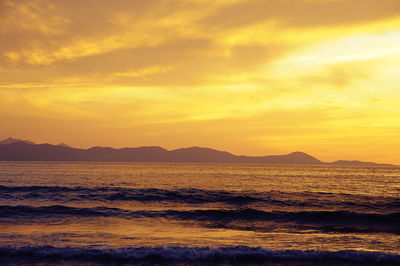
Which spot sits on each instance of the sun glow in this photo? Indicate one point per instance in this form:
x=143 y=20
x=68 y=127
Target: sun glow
x=250 y=77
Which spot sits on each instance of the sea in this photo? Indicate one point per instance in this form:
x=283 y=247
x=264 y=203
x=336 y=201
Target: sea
x=85 y=213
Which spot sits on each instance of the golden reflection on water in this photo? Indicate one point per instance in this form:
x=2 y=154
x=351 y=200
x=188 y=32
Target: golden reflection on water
x=185 y=190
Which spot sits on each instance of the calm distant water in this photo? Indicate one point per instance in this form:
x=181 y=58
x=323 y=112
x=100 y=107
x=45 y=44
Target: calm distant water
x=198 y=213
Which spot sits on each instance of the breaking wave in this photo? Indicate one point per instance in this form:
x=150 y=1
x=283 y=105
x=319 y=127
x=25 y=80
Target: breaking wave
x=179 y=254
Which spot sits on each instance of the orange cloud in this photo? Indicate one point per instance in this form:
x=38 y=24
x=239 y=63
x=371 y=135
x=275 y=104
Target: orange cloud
x=252 y=77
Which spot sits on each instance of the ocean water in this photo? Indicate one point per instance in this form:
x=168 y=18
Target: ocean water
x=149 y=213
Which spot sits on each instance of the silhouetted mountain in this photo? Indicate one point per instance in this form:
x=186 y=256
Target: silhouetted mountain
x=291 y=158
x=12 y=140
x=201 y=155
x=27 y=151
x=22 y=151
x=63 y=144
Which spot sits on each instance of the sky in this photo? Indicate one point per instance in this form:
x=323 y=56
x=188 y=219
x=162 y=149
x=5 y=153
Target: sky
x=252 y=77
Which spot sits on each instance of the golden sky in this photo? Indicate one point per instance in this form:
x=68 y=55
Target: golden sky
x=249 y=77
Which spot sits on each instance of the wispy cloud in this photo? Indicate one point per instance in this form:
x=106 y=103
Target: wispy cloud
x=254 y=76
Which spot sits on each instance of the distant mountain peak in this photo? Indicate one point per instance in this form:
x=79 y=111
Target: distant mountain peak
x=11 y=140
x=297 y=153
x=197 y=148
x=64 y=145
x=303 y=156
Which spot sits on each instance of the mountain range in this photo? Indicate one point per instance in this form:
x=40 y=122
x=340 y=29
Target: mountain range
x=12 y=149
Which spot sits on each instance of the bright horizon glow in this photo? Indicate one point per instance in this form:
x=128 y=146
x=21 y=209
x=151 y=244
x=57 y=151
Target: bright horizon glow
x=254 y=77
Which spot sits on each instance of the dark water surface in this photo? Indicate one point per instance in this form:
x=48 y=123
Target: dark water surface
x=198 y=213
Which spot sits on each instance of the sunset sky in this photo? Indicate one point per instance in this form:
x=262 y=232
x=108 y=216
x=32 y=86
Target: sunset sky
x=250 y=77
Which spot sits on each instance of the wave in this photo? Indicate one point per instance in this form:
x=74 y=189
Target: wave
x=182 y=254
x=322 y=220
x=194 y=196
x=199 y=196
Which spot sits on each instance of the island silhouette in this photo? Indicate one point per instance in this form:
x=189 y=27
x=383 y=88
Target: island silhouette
x=12 y=149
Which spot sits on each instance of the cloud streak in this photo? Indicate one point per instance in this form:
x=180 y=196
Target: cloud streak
x=246 y=76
